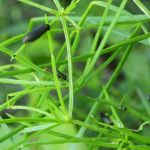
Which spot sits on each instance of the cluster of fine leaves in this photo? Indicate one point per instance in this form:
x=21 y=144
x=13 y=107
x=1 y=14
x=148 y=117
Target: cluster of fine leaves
x=65 y=112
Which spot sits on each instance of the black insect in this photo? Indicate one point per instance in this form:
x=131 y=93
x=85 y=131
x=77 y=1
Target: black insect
x=59 y=74
x=105 y=118
x=148 y=97
x=122 y=108
x=36 y=33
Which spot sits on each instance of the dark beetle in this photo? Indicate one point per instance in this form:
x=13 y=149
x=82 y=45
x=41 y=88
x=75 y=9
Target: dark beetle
x=105 y=118
x=101 y=115
x=36 y=33
x=59 y=74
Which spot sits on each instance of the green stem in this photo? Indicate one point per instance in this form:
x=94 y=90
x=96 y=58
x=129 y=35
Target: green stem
x=102 y=44
x=108 y=85
x=98 y=33
x=70 y=67
x=55 y=71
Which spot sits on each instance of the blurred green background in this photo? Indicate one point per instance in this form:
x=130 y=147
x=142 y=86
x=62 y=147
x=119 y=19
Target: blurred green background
x=134 y=78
